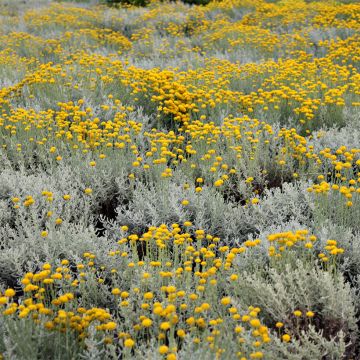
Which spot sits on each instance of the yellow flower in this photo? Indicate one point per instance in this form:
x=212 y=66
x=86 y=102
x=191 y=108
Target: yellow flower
x=3 y=300
x=129 y=343
x=9 y=293
x=163 y=349
x=124 y=295
x=110 y=326
x=148 y=295
x=257 y=355
x=286 y=337
x=146 y=322
x=116 y=291
x=310 y=314
x=49 y=325
x=181 y=333
x=225 y=301
x=165 y=325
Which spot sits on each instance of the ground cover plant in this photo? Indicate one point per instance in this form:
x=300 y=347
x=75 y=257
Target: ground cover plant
x=180 y=182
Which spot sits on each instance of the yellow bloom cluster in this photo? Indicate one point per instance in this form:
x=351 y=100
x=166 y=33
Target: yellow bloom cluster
x=177 y=288
x=281 y=243
x=53 y=312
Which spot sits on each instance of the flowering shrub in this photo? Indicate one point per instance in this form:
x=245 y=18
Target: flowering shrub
x=180 y=181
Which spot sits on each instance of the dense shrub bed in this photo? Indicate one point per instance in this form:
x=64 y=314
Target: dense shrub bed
x=179 y=182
